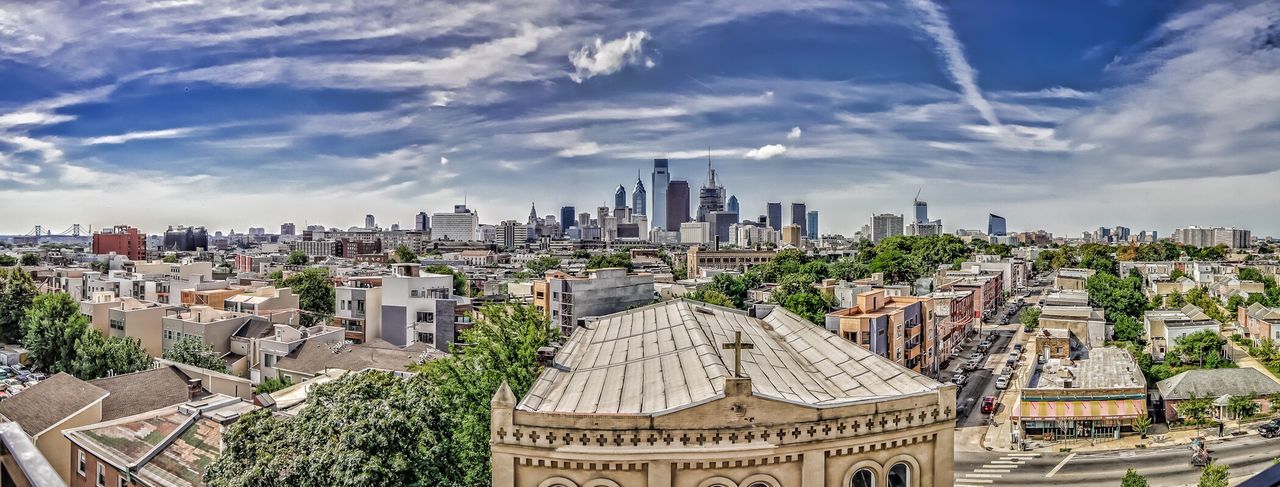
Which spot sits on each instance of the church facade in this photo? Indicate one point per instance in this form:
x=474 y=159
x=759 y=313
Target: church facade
x=684 y=394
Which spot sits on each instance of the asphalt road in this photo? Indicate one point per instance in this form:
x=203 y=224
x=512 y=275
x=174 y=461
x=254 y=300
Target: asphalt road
x=1165 y=466
x=981 y=381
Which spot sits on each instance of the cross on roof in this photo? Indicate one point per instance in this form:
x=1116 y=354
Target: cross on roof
x=738 y=346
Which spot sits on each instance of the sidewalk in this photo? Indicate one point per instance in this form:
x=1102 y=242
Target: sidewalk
x=1243 y=359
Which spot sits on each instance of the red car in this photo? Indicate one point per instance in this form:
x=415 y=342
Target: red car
x=988 y=405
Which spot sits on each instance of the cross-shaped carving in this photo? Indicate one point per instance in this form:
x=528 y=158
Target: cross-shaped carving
x=751 y=435
x=841 y=428
x=946 y=412
x=896 y=419
x=883 y=421
x=826 y=429
x=737 y=346
x=534 y=436
x=502 y=433
x=935 y=414
x=921 y=416
x=812 y=430
x=870 y=423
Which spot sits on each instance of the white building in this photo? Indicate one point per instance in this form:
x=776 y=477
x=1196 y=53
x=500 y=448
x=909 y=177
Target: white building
x=419 y=307
x=462 y=224
x=885 y=225
x=693 y=233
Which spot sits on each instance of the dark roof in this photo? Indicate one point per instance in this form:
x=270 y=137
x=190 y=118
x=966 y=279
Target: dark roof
x=50 y=402
x=314 y=356
x=1214 y=383
x=144 y=391
x=255 y=327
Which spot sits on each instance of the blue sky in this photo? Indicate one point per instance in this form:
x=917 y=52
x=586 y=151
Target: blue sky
x=1058 y=115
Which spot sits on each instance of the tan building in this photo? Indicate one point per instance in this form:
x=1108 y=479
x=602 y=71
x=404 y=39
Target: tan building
x=658 y=396
x=697 y=259
x=1086 y=323
x=791 y=235
x=1072 y=279
x=46 y=409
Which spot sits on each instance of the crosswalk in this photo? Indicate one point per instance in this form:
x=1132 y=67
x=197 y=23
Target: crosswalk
x=992 y=471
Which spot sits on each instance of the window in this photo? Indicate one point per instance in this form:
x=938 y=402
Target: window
x=863 y=478
x=425 y=337
x=117 y=324
x=268 y=360
x=102 y=475
x=122 y=479
x=80 y=462
x=899 y=475
x=360 y=305
x=426 y=317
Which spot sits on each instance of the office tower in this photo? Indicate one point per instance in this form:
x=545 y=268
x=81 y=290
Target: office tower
x=639 y=197
x=885 y=225
x=996 y=225
x=710 y=196
x=422 y=222
x=463 y=224
x=584 y=220
x=921 y=211
x=677 y=204
x=720 y=221
x=511 y=234
x=186 y=238
x=812 y=224
x=733 y=204
x=798 y=218
x=567 y=217
x=774 y=216
x=1210 y=236
x=659 y=186
x=620 y=197
x=288 y=229
x=368 y=221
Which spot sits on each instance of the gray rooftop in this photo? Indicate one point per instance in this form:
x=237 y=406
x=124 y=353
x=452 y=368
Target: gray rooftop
x=1106 y=368
x=667 y=356
x=1216 y=382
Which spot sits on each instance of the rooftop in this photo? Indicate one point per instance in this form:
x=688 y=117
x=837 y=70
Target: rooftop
x=143 y=391
x=666 y=356
x=1188 y=315
x=313 y=356
x=1105 y=368
x=1217 y=382
x=50 y=402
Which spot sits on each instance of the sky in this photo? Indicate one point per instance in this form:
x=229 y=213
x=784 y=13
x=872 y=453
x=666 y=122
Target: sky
x=1063 y=116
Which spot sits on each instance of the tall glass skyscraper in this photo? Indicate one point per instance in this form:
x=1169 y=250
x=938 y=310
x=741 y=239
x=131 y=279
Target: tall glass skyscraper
x=996 y=225
x=798 y=218
x=733 y=204
x=677 y=204
x=774 y=216
x=639 y=197
x=812 y=225
x=659 y=187
x=620 y=197
x=568 y=216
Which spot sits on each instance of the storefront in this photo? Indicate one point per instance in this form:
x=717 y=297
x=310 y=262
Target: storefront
x=1063 y=420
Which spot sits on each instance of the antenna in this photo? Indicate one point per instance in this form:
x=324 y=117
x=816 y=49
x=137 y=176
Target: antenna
x=918 y=193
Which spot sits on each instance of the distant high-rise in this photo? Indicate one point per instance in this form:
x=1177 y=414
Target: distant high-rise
x=921 y=211
x=677 y=204
x=1236 y=238
x=288 y=229
x=733 y=204
x=620 y=197
x=774 y=216
x=567 y=216
x=720 y=221
x=462 y=224
x=368 y=221
x=996 y=225
x=812 y=224
x=584 y=220
x=710 y=196
x=885 y=225
x=799 y=218
x=639 y=197
x=659 y=186
x=422 y=222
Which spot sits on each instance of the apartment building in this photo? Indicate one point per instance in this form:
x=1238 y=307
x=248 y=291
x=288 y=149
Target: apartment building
x=121 y=239
x=986 y=286
x=265 y=300
x=264 y=343
x=953 y=319
x=420 y=307
x=1074 y=279
x=1015 y=269
x=1164 y=327
x=358 y=308
x=570 y=300
x=1086 y=323
x=212 y=326
x=889 y=326
x=129 y=317
x=1259 y=322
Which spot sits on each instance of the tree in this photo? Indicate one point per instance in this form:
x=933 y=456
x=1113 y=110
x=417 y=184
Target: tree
x=193 y=351
x=809 y=305
x=100 y=266
x=1250 y=274
x=1195 y=409
x=52 y=325
x=1132 y=479
x=1214 y=475
x=1117 y=296
x=273 y=384
x=405 y=255
x=711 y=296
x=315 y=294
x=1141 y=425
x=1127 y=329
x=7 y=260
x=99 y=356
x=17 y=291
x=1175 y=300
x=1243 y=407
x=459 y=280
x=896 y=266
x=30 y=259
x=543 y=264
x=734 y=288
x=613 y=259
x=170 y=259
x=298 y=257
x=1205 y=346
x=1030 y=318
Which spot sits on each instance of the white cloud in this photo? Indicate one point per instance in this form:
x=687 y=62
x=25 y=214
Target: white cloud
x=580 y=149
x=140 y=135
x=444 y=161
x=604 y=58
x=794 y=133
x=767 y=152
x=19 y=119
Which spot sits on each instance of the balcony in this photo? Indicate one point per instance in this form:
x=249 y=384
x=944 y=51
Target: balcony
x=432 y=293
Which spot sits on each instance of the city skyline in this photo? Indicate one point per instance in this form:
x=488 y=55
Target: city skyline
x=156 y=116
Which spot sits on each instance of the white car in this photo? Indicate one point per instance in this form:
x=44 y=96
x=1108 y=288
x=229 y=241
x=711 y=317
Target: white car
x=1002 y=382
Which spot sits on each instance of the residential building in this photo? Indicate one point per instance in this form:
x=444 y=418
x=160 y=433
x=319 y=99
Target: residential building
x=986 y=287
x=59 y=403
x=1072 y=279
x=718 y=410
x=1015 y=269
x=996 y=225
x=263 y=301
x=211 y=326
x=677 y=204
x=121 y=239
x=1094 y=393
x=888 y=326
x=773 y=216
x=264 y=343
x=478 y=258
x=697 y=259
x=953 y=319
x=420 y=307
x=1236 y=238
x=1164 y=327
x=885 y=225
x=799 y=217
x=462 y=224
x=747 y=236
x=569 y=301
x=1259 y=322
x=358 y=308
x=660 y=179
x=315 y=248
x=1219 y=385
x=811 y=225
x=129 y=317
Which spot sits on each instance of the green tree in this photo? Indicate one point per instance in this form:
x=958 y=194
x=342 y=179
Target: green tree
x=612 y=259
x=711 y=296
x=1214 y=475
x=52 y=325
x=847 y=270
x=1194 y=409
x=1132 y=479
x=298 y=257
x=732 y=287
x=7 y=260
x=1175 y=300
x=404 y=254
x=170 y=259
x=896 y=266
x=193 y=351
x=1243 y=407
x=315 y=294
x=30 y=259
x=100 y=266
x=1204 y=346
x=1030 y=318
x=1127 y=329
x=543 y=264
x=17 y=291
x=1250 y=274
x=1117 y=297
x=459 y=279
x=97 y=356
x=1142 y=424
x=273 y=384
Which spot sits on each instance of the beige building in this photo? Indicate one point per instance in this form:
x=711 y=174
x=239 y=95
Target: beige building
x=1072 y=279
x=658 y=396
x=736 y=259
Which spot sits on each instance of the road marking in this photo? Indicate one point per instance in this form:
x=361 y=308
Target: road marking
x=1060 y=464
x=991 y=470
x=1024 y=455
x=1007 y=462
x=983 y=475
x=979 y=481
x=960 y=483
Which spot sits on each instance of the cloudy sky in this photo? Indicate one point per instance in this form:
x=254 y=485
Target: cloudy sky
x=1064 y=116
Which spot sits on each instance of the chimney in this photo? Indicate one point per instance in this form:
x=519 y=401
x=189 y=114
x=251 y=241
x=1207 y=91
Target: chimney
x=194 y=390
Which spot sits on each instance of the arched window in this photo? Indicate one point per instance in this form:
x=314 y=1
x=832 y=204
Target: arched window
x=899 y=475
x=759 y=484
x=864 y=478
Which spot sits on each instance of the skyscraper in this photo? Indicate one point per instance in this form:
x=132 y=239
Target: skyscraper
x=422 y=222
x=996 y=225
x=921 y=210
x=677 y=204
x=812 y=225
x=620 y=197
x=368 y=221
x=885 y=225
x=798 y=218
x=733 y=204
x=659 y=186
x=720 y=222
x=774 y=216
x=285 y=229
x=639 y=197
x=710 y=196
x=568 y=214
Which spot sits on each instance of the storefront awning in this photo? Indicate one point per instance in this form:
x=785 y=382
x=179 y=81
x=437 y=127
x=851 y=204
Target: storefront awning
x=1079 y=410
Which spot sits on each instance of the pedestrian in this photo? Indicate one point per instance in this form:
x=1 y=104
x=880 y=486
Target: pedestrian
x=1222 y=427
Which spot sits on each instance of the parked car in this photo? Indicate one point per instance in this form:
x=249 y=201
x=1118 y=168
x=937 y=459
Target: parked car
x=1017 y=347
x=975 y=356
x=1002 y=382
x=959 y=379
x=1270 y=429
x=973 y=365
x=1007 y=372
x=988 y=404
